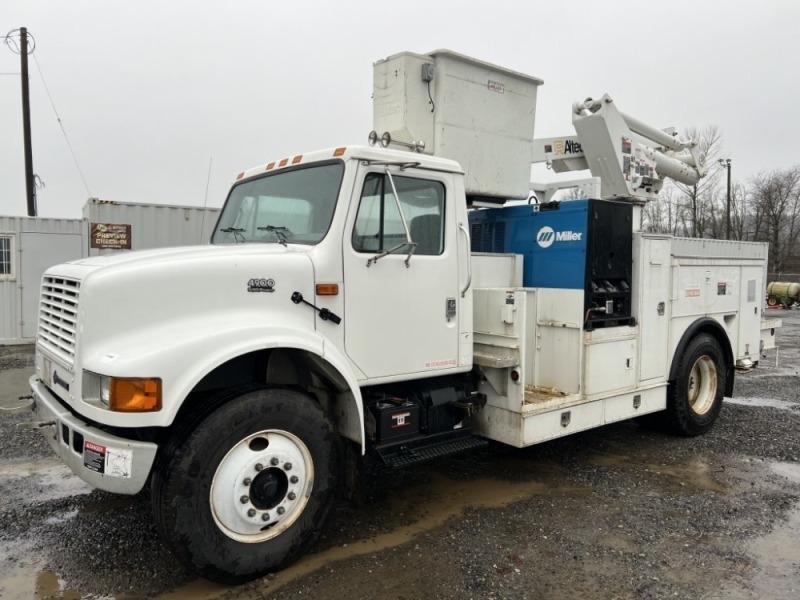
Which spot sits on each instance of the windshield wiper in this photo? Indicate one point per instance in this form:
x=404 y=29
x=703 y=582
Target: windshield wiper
x=237 y=233
x=280 y=232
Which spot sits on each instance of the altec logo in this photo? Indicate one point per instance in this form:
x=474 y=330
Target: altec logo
x=547 y=236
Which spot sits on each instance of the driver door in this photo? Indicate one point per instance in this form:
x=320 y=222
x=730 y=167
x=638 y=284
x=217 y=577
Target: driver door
x=401 y=299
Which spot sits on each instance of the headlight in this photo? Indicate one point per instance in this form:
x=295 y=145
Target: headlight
x=105 y=390
x=122 y=394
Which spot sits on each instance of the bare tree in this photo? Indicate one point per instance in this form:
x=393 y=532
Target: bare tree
x=741 y=221
x=662 y=215
x=701 y=218
x=775 y=214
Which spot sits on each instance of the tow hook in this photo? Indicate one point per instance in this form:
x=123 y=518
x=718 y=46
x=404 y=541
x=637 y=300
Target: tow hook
x=36 y=424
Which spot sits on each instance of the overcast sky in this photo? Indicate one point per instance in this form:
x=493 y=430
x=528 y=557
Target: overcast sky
x=151 y=91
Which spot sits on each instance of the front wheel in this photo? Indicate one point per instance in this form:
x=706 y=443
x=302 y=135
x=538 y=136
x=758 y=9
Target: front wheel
x=694 y=398
x=249 y=489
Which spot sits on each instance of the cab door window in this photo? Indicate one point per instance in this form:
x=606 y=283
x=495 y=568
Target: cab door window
x=379 y=225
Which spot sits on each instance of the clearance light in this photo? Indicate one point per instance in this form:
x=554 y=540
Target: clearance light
x=135 y=395
x=239 y=176
x=271 y=166
x=339 y=151
x=297 y=159
x=283 y=162
x=327 y=289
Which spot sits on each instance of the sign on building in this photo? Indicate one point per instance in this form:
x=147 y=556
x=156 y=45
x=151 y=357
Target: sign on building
x=113 y=236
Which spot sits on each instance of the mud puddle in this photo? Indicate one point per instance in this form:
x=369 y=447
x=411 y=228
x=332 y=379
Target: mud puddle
x=22 y=575
x=421 y=509
x=23 y=578
x=53 y=481
x=776 y=555
x=691 y=474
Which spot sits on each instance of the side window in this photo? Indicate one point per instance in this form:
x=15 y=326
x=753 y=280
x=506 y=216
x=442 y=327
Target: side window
x=379 y=225
x=6 y=257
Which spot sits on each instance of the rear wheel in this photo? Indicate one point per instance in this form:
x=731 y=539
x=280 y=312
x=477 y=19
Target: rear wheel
x=249 y=489
x=694 y=398
x=772 y=301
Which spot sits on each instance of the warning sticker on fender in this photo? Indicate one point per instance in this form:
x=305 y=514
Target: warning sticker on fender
x=114 y=462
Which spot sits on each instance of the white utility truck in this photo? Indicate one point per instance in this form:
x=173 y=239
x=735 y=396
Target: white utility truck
x=359 y=297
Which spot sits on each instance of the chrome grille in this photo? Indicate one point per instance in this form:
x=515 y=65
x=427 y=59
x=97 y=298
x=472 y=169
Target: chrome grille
x=58 y=316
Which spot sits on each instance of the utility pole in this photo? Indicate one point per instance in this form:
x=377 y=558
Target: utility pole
x=726 y=163
x=30 y=186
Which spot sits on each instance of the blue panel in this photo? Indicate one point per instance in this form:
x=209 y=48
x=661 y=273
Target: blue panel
x=552 y=242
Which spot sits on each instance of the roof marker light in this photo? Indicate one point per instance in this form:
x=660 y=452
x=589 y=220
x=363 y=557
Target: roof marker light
x=239 y=176
x=283 y=162
x=297 y=159
x=339 y=151
x=271 y=166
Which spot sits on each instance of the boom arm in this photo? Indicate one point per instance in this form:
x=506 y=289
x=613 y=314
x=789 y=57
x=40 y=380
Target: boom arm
x=631 y=158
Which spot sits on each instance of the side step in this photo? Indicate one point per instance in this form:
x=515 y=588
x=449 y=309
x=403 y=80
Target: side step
x=429 y=447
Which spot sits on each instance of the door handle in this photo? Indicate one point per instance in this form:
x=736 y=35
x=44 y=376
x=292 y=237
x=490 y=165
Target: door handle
x=469 y=264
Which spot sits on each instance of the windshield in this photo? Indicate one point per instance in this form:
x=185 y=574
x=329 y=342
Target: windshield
x=294 y=207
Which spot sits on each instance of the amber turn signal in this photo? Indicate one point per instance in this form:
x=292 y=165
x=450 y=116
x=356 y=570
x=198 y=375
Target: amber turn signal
x=135 y=395
x=327 y=289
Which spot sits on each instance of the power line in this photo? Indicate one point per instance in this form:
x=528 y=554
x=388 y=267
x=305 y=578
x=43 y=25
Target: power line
x=58 y=118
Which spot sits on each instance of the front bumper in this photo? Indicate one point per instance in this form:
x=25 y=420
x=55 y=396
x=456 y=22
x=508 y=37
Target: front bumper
x=105 y=461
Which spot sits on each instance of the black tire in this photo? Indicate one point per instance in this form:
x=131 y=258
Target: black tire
x=269 y=451
x=694 y=398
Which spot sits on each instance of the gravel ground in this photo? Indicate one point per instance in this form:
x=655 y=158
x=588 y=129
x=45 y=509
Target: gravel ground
x=619 y=513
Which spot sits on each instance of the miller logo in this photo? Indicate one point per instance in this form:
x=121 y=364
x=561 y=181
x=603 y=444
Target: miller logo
x=547 y=236
x=261 y=285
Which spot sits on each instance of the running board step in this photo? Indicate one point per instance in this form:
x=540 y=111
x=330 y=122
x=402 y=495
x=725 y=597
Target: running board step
x=429 y=447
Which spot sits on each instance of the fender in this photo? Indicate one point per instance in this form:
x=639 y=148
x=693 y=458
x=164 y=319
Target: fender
x=706 y=325
x=272 y=337
x=183 y=361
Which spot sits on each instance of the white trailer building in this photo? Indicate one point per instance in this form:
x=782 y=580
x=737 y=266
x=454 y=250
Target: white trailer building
x=29 y=245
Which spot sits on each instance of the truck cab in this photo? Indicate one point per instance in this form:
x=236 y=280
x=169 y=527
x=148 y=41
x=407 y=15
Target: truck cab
x=392 y=227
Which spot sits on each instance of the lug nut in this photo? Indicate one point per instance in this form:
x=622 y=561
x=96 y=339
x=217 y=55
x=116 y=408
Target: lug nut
x=259 y=467
x=292 y=496
x=287 y=467
x=274 y=462
x=294 y=479
x=251 y=512
x=244 y=499
x=281 y=510
x=265 y=516
x=247 y=481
